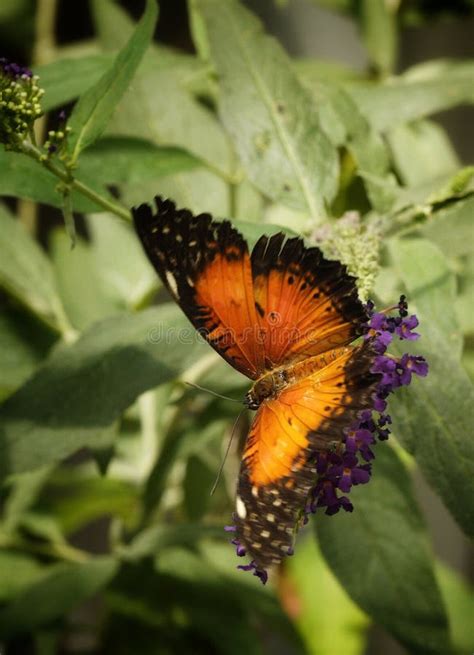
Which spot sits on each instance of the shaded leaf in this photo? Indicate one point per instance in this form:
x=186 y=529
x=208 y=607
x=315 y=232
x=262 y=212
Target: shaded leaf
x=125 y=274
x=60 y=589
x=94 y=108
x=197 y=484
x=433 y=419
x=421 y=91
x=79 y=282
x=380 y=555
x=24 y=178
x=24 y=343
x=127 y=160
x=451 y=228
x=422 y=152
x=17 y=573
x=26 y=273
x=84 y=388
x=269 y=115
x=149 y=109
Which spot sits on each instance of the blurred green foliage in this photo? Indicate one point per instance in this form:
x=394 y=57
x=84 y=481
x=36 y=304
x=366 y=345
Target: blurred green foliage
x=110 y=542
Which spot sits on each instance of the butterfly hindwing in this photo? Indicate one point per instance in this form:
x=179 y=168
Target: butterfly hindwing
x=278 y=467
x=206 y=267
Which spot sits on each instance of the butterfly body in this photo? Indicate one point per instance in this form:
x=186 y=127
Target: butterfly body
x=285 y=317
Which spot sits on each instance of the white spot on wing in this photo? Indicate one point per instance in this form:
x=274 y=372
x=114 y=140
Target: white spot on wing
x=172 y=284
x=271 y=518
x=265 y=534
x=240 y=507
x=255 y=492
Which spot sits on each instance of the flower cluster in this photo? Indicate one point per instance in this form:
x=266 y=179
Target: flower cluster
x=20 y=106
x=339 y=471
x=349 y=464
x=355 y=244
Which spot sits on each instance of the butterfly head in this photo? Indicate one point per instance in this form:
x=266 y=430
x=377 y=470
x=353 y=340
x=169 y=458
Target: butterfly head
x=267 y=386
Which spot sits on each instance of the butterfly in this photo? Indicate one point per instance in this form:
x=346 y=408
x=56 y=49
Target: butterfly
x=284 y=316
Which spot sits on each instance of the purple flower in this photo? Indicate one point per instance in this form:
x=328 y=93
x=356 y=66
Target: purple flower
x=410 y=364
x=387 y=368
x=14 y=70
x=404 y=329
x=260 y=573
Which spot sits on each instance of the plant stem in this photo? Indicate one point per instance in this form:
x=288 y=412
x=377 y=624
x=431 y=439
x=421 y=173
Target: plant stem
x=61 y=551
x=30 y=150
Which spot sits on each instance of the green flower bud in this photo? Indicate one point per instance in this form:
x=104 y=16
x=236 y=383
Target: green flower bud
x=356 y=245
x=19 y=103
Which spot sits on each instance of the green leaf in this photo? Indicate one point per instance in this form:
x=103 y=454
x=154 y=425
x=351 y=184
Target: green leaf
x=197 y=484
x=327 y=618
x=24 y=178
x=459 y=598
x=149 y=109
x=76 y=500
x=346 y=125
x=17 y=573
x=127 y=160
x=186 y=189
x=125 y=274
x=25 y=488
x=83 y=388
x=26 y=273
x=431 y=287
x=94 y=109
x=65 y=79
x=421 y=91
x=57 y=592
x=79 y=282
x=422 y=152
x=269 y=115
x=433 y=418
x=156 y=538
x=381 y=556
x=451 y=228
x=24 y=343
x=379 y=30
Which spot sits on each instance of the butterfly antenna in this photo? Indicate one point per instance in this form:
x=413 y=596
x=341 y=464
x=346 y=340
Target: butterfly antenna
x=213 y=393
x=218 y=477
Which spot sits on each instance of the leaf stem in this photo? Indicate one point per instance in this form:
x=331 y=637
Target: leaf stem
x=33 y=152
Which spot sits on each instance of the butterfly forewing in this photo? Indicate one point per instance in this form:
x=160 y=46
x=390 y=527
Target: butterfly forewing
x=206 y=267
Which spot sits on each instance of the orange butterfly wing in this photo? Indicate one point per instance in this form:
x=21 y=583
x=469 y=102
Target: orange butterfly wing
x=278 y=465
x=281 y=305
x=306 y=305
x=205 y=265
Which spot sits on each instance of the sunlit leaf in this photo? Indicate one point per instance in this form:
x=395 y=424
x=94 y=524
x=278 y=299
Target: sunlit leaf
x=267 y=112
x=93 y=110
x=380 y=555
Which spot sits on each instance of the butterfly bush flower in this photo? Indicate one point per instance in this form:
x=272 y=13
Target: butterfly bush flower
x=355 y=244
x=20 y=106
x=351 y=462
